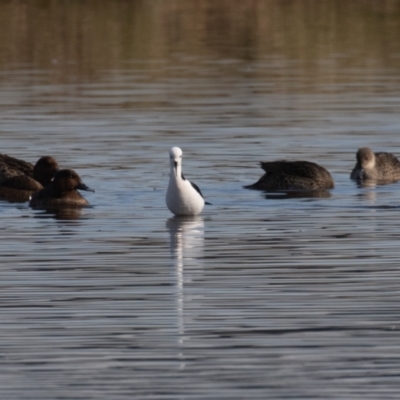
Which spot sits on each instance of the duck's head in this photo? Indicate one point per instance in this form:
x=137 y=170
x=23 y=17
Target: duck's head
x=365 y=160
x=45 y=169
x=67 y=180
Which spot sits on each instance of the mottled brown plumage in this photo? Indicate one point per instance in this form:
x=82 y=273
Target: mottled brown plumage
x=20 y=179
x=293 y=175
x=62 y=192
x=382 y=167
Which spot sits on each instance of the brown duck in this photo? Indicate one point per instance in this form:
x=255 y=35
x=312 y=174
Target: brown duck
x=384 y=167
x=61 y=192
x=293 y=175
x=20 y=179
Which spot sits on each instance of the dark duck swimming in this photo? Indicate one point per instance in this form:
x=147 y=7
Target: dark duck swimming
x=293 y=175
x=381 y=167
x=61 y=192
x=19 y=179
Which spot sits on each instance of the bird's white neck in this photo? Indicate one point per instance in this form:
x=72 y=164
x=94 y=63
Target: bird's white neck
x=176 y=171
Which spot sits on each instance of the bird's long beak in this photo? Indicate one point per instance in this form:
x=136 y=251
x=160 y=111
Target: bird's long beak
x=176 y=168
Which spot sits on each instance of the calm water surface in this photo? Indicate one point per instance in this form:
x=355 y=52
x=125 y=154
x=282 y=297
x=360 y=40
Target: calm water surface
x=262 y=296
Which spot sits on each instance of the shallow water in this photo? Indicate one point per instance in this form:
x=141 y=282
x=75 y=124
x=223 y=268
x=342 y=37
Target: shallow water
x=261 y=296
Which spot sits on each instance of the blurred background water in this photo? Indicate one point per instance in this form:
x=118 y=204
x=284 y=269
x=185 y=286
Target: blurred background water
x=261 y=296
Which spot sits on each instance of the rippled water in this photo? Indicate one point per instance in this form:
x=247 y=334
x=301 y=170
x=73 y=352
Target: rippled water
x=262 y=296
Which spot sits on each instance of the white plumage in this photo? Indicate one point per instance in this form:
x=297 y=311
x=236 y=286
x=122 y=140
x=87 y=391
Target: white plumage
x=183 y=197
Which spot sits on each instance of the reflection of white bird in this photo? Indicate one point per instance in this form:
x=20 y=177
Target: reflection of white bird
x=183 y=197
x=187 y=239
x=187 y=246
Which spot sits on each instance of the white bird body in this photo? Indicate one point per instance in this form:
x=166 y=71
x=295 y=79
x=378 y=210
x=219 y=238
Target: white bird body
x=183 y=197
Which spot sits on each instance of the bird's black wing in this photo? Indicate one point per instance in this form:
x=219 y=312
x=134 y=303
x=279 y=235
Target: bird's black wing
x=197 y=189
x=199 y=192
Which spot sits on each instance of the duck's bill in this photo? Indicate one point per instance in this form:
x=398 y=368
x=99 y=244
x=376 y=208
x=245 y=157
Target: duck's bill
x=82 y=186
x=361 y=174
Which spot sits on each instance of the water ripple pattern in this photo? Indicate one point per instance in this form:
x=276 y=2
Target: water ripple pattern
x=263 y=295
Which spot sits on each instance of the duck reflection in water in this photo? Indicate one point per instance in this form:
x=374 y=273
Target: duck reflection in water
x=64 y=214
x=187 y=249
x=298 y=194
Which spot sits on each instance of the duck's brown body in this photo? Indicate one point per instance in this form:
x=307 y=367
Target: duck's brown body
x=20 y=179
x=293 y=175
x=383 y=167
x=61 y=192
